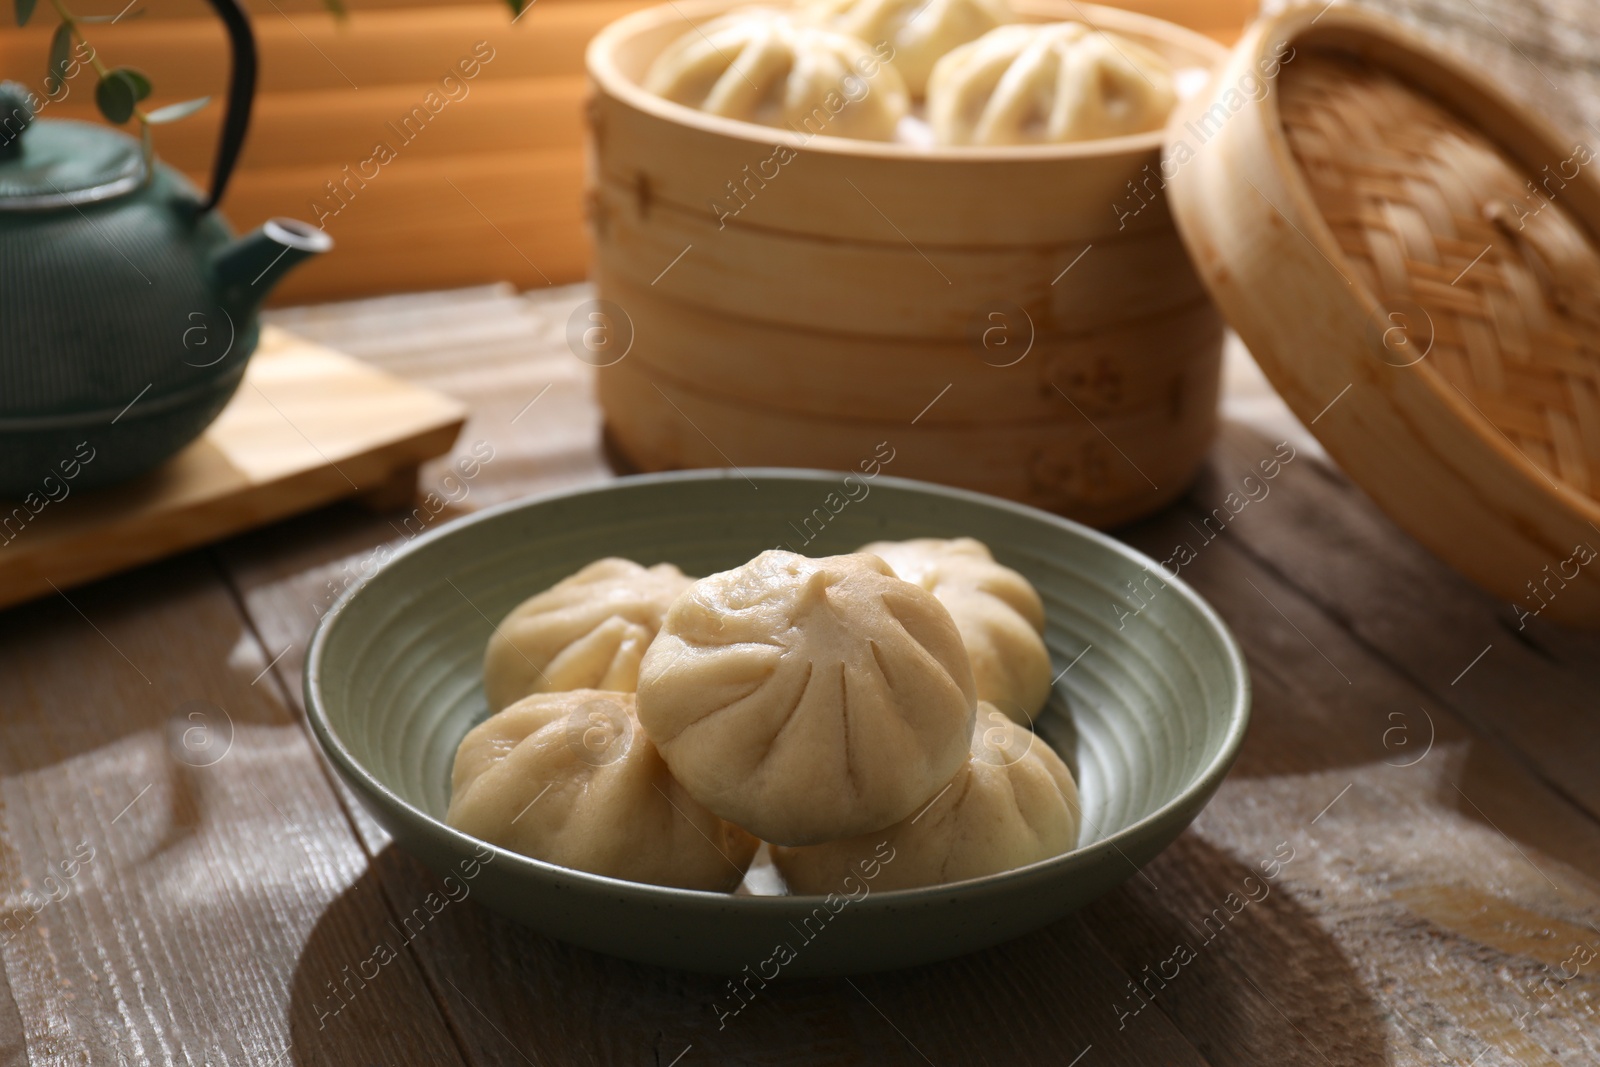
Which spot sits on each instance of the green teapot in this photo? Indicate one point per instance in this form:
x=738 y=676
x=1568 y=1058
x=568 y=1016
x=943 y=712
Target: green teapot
x=129 y=309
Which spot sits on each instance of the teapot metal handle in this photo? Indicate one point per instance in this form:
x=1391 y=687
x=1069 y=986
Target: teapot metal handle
x=241 y=95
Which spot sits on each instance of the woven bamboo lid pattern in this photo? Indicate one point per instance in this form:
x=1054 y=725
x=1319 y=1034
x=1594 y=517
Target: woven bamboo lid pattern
x=1413 y=261
x=1425 y=207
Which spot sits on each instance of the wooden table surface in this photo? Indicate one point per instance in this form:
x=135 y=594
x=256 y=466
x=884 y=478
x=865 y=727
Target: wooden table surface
x=184 y=881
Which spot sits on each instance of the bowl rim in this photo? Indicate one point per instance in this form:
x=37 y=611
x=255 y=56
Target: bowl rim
x=605 y=74
x=1197 y=792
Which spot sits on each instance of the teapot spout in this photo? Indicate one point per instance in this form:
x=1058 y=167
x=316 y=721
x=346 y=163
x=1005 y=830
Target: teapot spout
x=247 y=269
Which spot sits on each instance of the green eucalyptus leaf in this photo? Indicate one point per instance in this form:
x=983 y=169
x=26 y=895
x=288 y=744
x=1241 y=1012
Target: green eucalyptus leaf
x=335 y=7
x=173 y=112
x=115 y=96
x=517 y=7
x=60 y=58
x=24 y=11
x=137 y=79
x=108 y=19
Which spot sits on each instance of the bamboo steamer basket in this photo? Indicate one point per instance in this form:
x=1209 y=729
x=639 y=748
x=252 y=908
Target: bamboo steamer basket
x=1120 y=371
x=1011 y=459
x=1412 y=259
x=998 y=316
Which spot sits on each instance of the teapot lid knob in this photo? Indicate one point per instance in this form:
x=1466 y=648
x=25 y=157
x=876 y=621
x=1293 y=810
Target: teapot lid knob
x=46 y=165
x=15 y=115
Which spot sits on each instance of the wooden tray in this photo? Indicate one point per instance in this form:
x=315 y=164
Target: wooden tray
x=1372 y=230
x=307 y=426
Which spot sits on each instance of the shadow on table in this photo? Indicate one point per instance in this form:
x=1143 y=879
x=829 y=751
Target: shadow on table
x=508 y=995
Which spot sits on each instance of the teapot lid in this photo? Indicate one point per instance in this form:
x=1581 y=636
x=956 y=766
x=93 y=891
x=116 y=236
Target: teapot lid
x=60 y=163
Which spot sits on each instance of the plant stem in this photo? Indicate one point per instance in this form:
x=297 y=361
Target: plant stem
x=71 y=22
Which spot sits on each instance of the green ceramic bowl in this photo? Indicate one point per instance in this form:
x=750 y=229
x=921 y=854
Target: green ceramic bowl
x=1149 y=716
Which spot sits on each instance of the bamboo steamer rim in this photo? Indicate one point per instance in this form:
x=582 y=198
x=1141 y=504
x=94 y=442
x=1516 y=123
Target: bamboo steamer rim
x=607 y=74
x=1245 y=288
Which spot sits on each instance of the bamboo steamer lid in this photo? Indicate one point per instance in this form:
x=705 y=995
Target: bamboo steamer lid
x=1412 y=259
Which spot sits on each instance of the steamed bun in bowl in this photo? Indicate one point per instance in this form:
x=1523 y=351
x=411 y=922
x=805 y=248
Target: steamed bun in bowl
x=808 y=699
x=588 y=631
x=571 y=779
x=1012 y=803
x=997 y=610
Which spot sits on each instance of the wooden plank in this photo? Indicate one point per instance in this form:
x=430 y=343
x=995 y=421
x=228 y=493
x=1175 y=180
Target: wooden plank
x=458 y=221
x=264 y=9
x=13 y=1040
x=987 y=1007
x=212 y=888
x=1409 y=928
x=476 y=255
x=307 y=426
x=330 y=128
x=1392 y=594
x=411 y=193
x=314 y=50
x=529 y=255
x=1217 y=17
